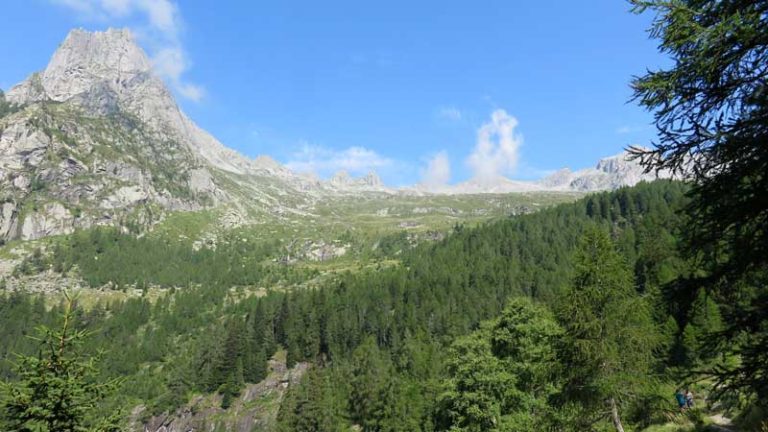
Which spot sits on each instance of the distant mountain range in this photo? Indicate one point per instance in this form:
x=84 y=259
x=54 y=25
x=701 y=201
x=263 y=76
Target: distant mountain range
x=610 y=173
x=98 y=139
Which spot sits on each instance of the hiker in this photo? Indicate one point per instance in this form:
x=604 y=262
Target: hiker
x=688 y=398
x=681 y=401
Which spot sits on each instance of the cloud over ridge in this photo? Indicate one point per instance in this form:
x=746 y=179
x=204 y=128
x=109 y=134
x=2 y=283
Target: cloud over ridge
x=437 y=172
x=497 y=147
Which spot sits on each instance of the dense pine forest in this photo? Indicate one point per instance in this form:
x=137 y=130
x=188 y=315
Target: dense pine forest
x=474 y=332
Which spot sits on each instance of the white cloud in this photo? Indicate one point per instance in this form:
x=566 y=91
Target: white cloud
x=437 y=172
x=324 y=161
x=497 y=148
x=158 y=25
x=449 y=113
x=161 y=15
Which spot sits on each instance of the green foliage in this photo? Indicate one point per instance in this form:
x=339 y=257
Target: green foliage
x=58 y=389
x=311 y=407
x=501 y=377
x=610 y=336
x=379 y=338
x=106 y=256
x=704 y=322
x=6 y=107
x=711 y=110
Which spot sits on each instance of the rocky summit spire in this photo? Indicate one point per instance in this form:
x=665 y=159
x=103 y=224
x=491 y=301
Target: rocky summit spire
x=106 y=72
x=84 y=62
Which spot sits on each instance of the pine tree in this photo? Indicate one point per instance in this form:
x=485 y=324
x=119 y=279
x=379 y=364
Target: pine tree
x=58 y=390
x=310 y=407
x=369 y=373
x=609 y=333
x=711 y=111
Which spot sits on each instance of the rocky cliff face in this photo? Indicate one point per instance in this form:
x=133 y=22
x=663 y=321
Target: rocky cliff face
x=255 y=410
x=96 y=138
x=106 y=73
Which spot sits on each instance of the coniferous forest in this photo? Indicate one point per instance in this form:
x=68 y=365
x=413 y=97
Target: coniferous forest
x=587 y=316
x=530 y=323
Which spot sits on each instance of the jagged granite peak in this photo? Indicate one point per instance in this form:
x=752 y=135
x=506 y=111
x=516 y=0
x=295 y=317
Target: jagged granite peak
x=97 y=139
x=494 y=184
x=82 y=62
x=557 y=178
x=609 y=173
x=105 y=72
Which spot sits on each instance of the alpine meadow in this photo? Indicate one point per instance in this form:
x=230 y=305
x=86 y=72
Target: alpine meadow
x=334 y=268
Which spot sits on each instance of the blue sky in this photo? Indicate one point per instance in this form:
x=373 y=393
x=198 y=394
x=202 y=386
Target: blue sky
x=436 y=91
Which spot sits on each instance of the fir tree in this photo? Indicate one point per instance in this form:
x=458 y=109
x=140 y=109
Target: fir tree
x=711 y=111
x=609 y=334
x=58 y=390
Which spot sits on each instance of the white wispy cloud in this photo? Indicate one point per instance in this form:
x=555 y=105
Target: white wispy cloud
x=449 y=113
x=159 y=25
x=325 y=161
x=437 y=172
x=497 y=147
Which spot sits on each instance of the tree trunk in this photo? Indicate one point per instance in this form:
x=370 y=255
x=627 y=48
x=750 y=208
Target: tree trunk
x=615 y=415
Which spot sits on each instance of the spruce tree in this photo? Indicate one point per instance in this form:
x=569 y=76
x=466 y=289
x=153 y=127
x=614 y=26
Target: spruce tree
x=711 y=111
x=58 y=389
x=609 y=333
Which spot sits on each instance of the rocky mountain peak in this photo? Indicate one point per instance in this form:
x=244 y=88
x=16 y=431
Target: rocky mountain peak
x=558 y=178
x=83 y=62
x=615 y=164
x=344 y=181
x=106 y=72
x=609 y=173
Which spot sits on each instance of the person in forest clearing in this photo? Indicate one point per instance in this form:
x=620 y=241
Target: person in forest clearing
x=681 y=399
x=688 y=398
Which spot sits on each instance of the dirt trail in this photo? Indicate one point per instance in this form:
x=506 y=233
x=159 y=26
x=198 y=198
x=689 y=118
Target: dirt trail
x=720 y=423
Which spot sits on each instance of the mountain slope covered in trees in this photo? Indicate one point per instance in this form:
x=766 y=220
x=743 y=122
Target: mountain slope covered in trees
x=400 y=321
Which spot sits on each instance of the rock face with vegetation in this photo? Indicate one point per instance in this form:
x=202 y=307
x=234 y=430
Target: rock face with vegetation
x=97 y=139
x=255 y=408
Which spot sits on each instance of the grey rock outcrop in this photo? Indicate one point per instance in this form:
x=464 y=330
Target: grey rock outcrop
x=610 y=173
x=203 y=414
x=100 y=133
x=342 y=181
x=106 y=72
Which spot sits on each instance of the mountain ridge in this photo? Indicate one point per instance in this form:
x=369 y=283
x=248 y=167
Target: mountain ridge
x=96 y=138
